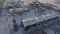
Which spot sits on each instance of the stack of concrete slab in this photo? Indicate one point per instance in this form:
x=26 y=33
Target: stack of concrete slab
x=36 y=19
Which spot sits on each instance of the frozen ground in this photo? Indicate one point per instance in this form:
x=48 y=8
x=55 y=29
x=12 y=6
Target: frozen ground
x=6 y=20
x=54 y=2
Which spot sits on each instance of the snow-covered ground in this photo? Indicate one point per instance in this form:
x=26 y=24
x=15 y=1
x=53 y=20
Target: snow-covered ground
x=26 y=2
x=6 y=20
x=53 y=2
